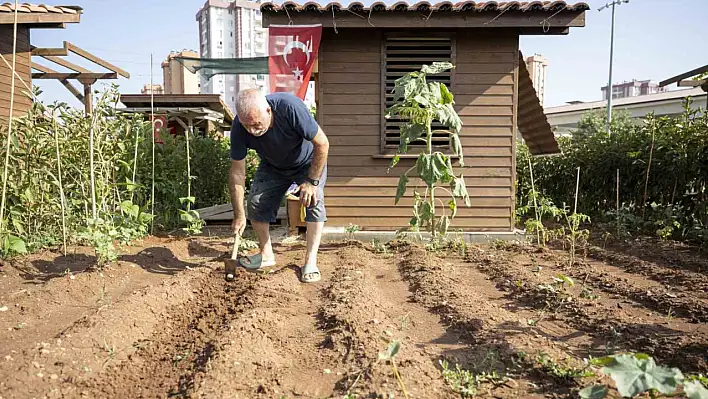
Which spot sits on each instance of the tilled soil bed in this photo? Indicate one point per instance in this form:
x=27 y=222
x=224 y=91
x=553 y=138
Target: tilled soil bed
x=162 y=322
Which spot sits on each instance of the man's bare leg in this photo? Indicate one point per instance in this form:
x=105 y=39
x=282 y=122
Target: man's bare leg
x=314 y=237
x=262 y=230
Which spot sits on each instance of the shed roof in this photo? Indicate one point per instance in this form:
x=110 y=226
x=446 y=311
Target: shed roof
x=182 y=101
x=530 y=17
x=474 y=6
x=39 y=15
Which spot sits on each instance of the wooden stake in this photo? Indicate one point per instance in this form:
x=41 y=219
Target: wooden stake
x=9 y=129
x=61 y=185
x=535 y=204
x=646 y=180
x=577 y=187
x=618 y=202
x=152 y=138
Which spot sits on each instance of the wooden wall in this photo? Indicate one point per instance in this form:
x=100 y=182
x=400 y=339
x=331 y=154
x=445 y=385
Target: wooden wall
x=359 y=190
x=22 y=67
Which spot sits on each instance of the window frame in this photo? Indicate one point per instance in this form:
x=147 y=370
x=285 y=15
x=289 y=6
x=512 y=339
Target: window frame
x=390 y=151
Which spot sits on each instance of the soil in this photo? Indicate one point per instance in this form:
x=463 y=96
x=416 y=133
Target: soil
x=162 y=321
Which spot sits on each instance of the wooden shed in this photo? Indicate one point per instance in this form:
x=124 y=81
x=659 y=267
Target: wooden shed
x=365 y=48
x=29 y=17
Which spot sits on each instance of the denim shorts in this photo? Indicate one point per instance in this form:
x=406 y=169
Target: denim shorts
x=269 y=187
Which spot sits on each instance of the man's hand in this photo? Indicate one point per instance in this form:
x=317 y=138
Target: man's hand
x=238 y=225
x=308 y=194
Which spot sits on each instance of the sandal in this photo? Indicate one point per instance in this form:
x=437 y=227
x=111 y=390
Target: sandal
x=310 y=274
x=255 y=262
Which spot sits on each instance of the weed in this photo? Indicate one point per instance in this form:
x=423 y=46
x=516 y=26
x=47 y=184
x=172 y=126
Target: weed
x=20 y=326
x=405 y=320
x=351 y=230
x=560 y=371
x=466 y=382
x=110 y=349
x=379 y=247
x=588 y=293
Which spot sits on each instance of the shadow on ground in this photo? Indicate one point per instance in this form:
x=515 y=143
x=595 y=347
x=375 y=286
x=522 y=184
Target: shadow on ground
x=158 y=260
x=45 y=270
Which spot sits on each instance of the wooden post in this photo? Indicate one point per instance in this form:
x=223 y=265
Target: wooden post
x=88 y=96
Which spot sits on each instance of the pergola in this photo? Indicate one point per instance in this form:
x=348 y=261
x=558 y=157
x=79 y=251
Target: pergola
x=86 y=77
x=683 y=80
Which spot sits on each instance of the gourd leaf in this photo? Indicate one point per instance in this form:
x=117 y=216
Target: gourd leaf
x=593 y=392
x=635 y=375
x=14 y=244
x=695 y=390
x=402 y=182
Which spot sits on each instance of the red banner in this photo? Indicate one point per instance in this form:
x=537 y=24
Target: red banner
x=292 y=55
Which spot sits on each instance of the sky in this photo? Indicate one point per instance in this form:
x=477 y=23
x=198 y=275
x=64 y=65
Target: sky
x=652 y=41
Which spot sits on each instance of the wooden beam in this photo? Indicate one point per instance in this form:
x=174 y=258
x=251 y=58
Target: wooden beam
x=440 y=19
x=38 y=51
x=683 y=76
x=692 y=83
x=62 y=76
x=73 y=90
x=66 y=64
x=37 y=18
x=85 y=54
x=42 y=68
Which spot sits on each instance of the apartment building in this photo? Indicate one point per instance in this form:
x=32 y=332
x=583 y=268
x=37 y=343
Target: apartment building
x=231 y=29
x=176 y=78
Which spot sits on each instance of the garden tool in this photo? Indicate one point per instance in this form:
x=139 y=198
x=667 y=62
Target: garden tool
x=231 y=264
x=293 y=193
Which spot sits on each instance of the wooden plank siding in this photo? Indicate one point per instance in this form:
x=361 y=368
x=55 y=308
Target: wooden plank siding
x=359 y=188
x=22 y=66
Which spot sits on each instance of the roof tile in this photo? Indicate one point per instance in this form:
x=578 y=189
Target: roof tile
x=466 y=6
x=28 y=8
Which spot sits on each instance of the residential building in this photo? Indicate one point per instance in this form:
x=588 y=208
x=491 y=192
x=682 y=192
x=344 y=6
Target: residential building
x=633 y=88
x=537 y=66
x=177 y=78
x=232 y=29
x=564 y=119
x=154 y=89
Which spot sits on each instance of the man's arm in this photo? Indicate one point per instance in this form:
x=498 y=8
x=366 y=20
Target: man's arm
x=319 y=158
x=237 y=187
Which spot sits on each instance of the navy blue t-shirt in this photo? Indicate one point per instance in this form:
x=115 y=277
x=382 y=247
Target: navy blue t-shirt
x=288 y=144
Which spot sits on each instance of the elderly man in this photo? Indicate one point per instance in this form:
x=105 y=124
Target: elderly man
x=293 y=149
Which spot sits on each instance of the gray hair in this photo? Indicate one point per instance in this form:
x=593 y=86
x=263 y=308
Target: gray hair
x=250 y=99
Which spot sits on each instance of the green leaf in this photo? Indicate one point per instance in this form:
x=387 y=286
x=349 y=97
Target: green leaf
x=189 y=200
x=426 y=213
x=18 y=226
x=435 y=90
x=459 y=189
x=593 y=392
x=15 y=245
x=410 y=133
x=395 y=161
x=695 y=390
x=446 y=95
x=448 y=117
x=405 y=86
x=452 y=204
x=391 y=351
x=456 y=145
x=402 y=182
x=426 y=170
x=436 y=67
x=634 y=375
